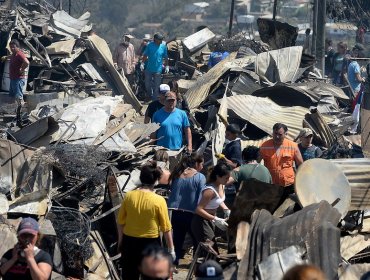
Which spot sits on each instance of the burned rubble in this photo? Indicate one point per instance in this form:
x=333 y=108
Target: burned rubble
x=70 y=155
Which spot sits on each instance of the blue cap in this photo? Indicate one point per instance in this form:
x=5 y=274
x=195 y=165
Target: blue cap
x=28 y=225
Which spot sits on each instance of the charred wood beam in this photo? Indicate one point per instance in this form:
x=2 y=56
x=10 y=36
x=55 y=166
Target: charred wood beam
x=29 y=32
x=69 y=74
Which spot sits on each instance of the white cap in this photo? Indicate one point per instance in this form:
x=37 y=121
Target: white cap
x=164 y=88
x=128 y=36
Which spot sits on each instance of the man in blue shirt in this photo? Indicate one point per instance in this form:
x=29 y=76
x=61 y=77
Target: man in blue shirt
x=172 y=122
x=154 y=55
x=354 y=70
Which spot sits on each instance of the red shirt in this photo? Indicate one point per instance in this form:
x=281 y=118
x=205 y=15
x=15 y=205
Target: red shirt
x=16 y=61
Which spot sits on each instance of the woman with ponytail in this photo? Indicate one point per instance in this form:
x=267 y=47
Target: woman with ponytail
x=211 y=198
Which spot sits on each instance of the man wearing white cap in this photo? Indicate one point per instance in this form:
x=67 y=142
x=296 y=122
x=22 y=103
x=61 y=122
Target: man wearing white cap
x=155 y=105
x=307 y=149
x=124 y=57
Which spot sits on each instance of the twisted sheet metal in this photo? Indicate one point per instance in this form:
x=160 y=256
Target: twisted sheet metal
x=357 y=171
x=314 y=228
x=203 y=86
x=264 y=113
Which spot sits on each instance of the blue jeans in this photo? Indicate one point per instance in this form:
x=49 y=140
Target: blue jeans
x=16 y=88
x=152 y=83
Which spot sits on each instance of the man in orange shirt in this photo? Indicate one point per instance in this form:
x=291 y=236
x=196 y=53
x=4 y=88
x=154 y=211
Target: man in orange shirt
x=279 y=154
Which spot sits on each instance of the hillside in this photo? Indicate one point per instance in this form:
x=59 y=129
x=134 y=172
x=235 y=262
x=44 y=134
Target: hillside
x=114 y=17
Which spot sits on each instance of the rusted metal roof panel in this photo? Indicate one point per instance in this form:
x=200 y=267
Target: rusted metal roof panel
x=264 y=113
x=357 y=171
x=203 y=86
x=314 y=228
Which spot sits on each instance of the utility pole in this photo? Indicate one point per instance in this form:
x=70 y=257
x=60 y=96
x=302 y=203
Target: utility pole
x=314 y=26
x=69 y=6
x=274 y=10
x=231 y=18
x=318 y=35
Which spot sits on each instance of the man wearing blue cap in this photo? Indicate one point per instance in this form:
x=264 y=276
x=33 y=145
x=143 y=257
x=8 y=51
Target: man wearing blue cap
x=155 y=55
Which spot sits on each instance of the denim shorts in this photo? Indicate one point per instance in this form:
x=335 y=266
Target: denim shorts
x=16 y=88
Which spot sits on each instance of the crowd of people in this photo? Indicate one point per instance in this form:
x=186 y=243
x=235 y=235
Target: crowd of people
x=196 y=203
x=343 y=68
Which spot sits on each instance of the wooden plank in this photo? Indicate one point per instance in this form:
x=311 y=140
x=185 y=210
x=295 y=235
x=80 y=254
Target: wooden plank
x=101 y=138
x=241 y=242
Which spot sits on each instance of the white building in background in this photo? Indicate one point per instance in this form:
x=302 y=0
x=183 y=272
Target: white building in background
x=196 y=8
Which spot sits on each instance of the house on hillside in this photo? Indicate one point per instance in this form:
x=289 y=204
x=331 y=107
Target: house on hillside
x=195 y=11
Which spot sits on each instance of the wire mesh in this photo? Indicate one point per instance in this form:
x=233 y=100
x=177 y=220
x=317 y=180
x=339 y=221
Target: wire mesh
x=73 y=229
x=81 y=161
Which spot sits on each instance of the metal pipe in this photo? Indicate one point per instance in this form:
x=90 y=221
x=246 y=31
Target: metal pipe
x=274 y=10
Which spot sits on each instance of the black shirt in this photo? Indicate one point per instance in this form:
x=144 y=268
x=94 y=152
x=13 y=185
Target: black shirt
x=183 y=105
x=20 y=270
x=153 y=107
x=233 y=152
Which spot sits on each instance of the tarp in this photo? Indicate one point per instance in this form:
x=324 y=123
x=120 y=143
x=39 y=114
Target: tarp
x=92 y=117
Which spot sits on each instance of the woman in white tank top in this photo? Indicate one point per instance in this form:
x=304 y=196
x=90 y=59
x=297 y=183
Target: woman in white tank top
x=212 y=197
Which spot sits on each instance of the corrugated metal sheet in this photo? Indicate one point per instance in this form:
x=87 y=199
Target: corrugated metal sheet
x=322 y=88
x=303 y=94
x=257 y=143
x=314 y=228
x=264 y=113
x=203 y=86
x=357 y=171
x=279 y=65
x=245 y=84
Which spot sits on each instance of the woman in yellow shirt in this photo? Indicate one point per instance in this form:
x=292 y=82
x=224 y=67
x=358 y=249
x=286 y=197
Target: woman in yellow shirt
x=143 y=214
